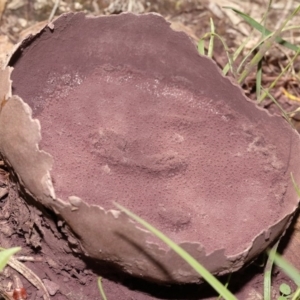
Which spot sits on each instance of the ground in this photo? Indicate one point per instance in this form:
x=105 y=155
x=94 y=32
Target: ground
x=42 y=236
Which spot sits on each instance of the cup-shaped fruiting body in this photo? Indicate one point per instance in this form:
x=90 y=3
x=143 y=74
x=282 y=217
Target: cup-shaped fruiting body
x=123 y=109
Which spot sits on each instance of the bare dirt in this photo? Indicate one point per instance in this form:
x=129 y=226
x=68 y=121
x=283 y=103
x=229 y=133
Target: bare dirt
x=44 y=238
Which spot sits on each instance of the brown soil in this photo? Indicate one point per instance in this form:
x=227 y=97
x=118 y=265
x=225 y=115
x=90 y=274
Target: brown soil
x=43 y=237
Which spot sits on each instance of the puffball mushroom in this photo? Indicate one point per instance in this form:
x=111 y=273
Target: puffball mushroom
x=122 y=108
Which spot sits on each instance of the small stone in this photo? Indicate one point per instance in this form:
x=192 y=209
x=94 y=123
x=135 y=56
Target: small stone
x=51 y=287
x=51 y=26
x=72 y=241
x=22 y=22
x=82 y=280
x=60 y=223
x=15 y=29
x=77 y=6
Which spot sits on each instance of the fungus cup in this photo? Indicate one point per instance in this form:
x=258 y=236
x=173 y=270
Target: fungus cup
x=122 y=108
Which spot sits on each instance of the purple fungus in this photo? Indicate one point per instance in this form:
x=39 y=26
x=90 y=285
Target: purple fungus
x=123 y=108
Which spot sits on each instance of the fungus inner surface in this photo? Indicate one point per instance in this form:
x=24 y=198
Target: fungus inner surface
x=178 y=160
x=192 y=166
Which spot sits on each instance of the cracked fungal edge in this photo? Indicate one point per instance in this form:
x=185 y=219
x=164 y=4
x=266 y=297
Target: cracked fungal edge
x=105 y=235
x=5 y=85
x=19 y=136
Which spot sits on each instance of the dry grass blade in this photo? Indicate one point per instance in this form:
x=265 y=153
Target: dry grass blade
x=29 y=275
x=264 y=95
x=243 y=45
x=55 y=7
x=279 y=106
x=2 y=7
x=6 y=296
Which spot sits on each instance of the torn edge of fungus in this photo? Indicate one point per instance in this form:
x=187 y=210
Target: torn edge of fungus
x=20 y=135
x=5 y=86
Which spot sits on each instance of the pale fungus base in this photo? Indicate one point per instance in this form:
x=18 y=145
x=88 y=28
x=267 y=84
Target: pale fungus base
x=122 y=108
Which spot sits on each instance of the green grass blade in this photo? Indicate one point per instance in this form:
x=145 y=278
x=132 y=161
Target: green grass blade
x=211 y=41
x=268 y=273
x=235 y=55
x=287 y=268
x=5 y=255
x=227 y=51
x=226 y=286
x=296 y=296
x=262 y=29
x=279 y=106
x=101 y=289
x=296 y=187
x=264 y=18
x=291 y=27
x=258 y=79
x=200 y=47
x=212 y=280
